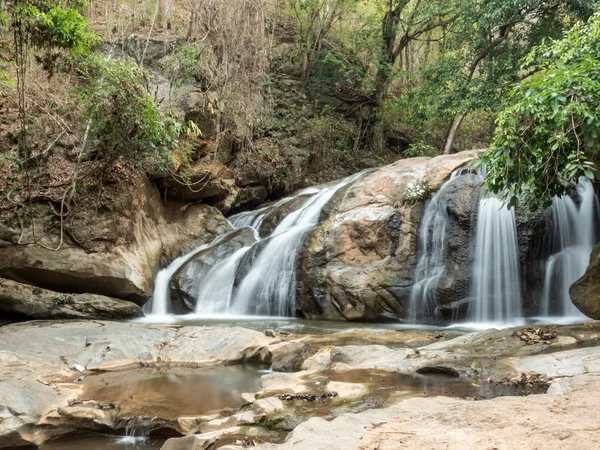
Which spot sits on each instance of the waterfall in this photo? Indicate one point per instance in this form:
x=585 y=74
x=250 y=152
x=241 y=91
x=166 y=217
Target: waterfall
x=158 y=306
x=269 y=287
x=216 y=285
x=432 y=236
x=496 y=280
x=573 y=238
x=249 y=218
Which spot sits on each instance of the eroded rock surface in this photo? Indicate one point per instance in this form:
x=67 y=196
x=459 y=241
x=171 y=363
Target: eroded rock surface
x=185 y=283
x=39 y=362
x=358 y=264
x=585 y=292
x=22 y=300
x=118 y=250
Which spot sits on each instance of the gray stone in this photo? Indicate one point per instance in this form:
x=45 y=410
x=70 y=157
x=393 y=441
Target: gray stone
x=24 y=300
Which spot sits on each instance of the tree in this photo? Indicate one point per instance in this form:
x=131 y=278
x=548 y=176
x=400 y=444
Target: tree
x=549 y=134
x=314 y=20
x=123 y=119
x=489 y=42
x=44 y=25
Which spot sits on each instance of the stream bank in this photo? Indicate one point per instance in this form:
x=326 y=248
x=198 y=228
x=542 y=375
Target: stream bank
x=70 y=385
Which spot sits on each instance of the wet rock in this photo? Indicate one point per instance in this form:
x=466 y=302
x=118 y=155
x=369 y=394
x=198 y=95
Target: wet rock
x=358 y=264
x=185 y=282
x=37 y=399
x=585 y=292
x=24 y=300
x=198 y=442
x=461 y=196
x=277 y=214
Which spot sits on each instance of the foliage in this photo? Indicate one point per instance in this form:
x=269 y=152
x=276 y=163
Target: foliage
x=420 y=148
x=480 y=56
x=123 y=119
x=192 y=62
x=327 y=136
x=549 y=134
x=47 y=24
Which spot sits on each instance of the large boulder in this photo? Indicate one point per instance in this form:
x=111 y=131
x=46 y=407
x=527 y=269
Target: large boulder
x=585 y=292
x=22 y=300
x=461 y=197
x=114 y=252
x=358 y=264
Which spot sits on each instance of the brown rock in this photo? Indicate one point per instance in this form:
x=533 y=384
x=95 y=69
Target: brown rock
x=585 y=292
x=358 y=264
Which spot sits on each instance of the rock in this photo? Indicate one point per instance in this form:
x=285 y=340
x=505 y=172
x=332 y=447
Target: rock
x=120 y=248
x=358 y=264
x=212 y=183
x=585 y=292
x=279 y=211
x=150 y=49
x=461 y=197
x=250 y=197
x=28 y=301
x=38 y=359
x=200 y=441
x=185 y=283
x=537 y=421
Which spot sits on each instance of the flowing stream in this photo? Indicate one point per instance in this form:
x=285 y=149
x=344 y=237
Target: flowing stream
x=432 y=261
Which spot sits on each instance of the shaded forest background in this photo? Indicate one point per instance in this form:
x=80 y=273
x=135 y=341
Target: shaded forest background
x=272 y=94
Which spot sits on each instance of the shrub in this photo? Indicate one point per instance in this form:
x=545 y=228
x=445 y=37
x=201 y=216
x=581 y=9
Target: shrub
x=123 y=120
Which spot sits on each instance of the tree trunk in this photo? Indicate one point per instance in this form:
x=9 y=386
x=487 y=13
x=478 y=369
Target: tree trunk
x=165 y=12
x=452 y=132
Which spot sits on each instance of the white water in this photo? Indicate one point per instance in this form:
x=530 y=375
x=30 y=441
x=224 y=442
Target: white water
x=157 y=309
x=496 y=279
x=216 y=285
x=431 y=265
x=269 y=286
x=249 y=218
x=574 y=237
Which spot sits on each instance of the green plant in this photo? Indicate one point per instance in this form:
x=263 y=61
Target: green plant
x=45 y=25
x=416 y=190
x=420 y=148
x=124 y=122
x=549 y=134
x=63 y=299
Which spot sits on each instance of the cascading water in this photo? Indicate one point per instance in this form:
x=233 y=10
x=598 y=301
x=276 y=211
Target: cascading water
x=269 y=286
x=496 y=279
x=216 y=290
x=573 y=238
x=158 y=306
x=432 y=237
